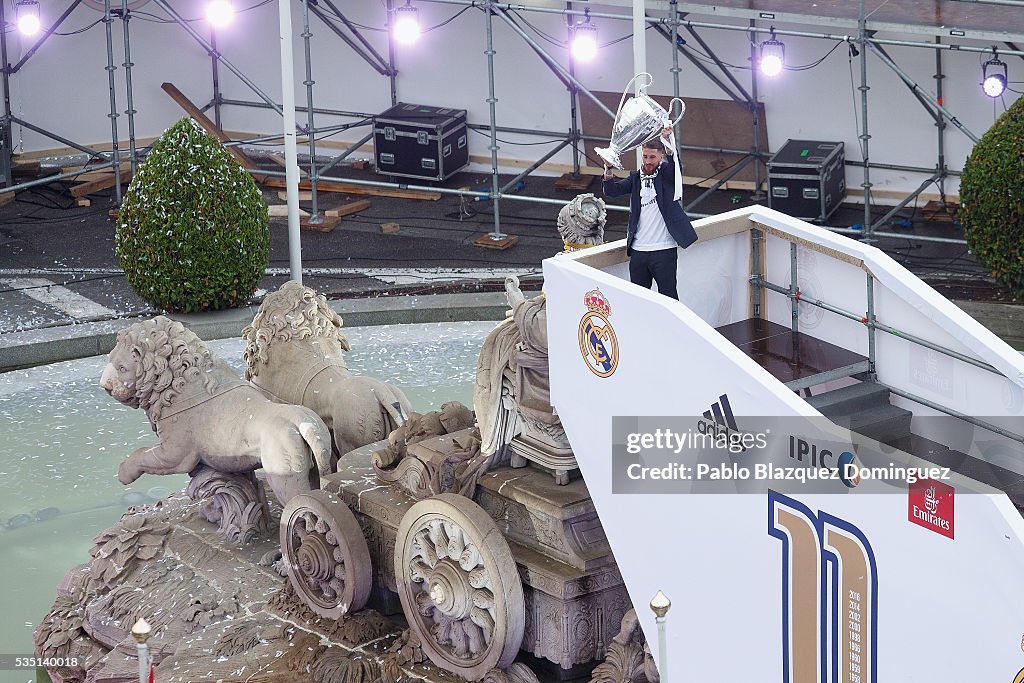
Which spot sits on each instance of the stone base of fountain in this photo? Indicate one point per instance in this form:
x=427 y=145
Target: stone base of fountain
x=219 y=612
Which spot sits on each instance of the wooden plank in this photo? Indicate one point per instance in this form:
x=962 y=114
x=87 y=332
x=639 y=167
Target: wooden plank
x=303 y=196
x=93 y=167
x=281 y=211
x=348 y=209
x=83 y=201
x=27 y=167
x=570 y=182
x=390 y=228
x=325 y=224
x=103 y=183
x=208 y=125
x=6 y=198
x=333 y=186
x=89 y=176
x=486 y=242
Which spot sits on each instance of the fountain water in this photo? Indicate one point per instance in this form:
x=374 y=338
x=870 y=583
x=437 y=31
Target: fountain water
x=63 y=438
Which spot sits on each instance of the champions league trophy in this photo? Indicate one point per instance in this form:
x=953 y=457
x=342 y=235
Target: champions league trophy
x=637 y=121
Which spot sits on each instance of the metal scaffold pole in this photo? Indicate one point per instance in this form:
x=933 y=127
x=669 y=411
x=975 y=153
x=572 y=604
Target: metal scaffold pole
x=940 y=127
x=574 y=130
x=755 y=116
x=128 y=64
x=314 y=216
x=862 y=36
x=496 y=234
x=677 y=129
x=214 y=59
x=108 y=20
x=7 y=131
x=639 y=56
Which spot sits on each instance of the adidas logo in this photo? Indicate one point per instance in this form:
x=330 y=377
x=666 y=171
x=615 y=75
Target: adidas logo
x=721 y=413
x=720 y=424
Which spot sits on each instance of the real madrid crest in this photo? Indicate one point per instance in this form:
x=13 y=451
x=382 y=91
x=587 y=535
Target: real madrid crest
x=598 y=343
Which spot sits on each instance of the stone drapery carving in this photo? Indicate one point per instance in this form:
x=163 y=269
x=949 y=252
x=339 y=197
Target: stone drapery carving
x=512 y=395
x=235 y=503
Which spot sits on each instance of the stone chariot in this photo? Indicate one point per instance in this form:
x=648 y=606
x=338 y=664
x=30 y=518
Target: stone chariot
x=484 y=559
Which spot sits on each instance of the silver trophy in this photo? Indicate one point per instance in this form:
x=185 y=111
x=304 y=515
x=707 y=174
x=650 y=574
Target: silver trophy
x=637 y=121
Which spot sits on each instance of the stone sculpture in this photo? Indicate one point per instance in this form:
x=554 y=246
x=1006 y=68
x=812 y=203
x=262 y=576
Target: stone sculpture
x=422 y=465
x=512 y=395
x=581 y=222
x=629 y=659
x=205 y=415
x=295 y=351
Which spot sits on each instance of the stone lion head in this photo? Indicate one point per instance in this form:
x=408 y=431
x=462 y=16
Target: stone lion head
x=152 y=362
x=293 y=312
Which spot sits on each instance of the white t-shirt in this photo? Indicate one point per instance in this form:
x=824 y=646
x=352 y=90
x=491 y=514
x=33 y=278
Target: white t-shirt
x=651 y=232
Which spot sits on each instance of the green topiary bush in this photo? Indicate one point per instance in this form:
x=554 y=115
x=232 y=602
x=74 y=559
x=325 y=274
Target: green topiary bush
x=192 y=233
x=992 y=199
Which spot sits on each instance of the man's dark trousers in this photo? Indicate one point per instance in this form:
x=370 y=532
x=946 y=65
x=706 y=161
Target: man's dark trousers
x=659 y=266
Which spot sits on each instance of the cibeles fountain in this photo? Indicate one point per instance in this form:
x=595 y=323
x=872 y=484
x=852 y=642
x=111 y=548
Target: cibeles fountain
x=332 y=533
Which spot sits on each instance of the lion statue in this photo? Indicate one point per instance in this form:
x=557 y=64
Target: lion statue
x=295 y=351
x=205 y=415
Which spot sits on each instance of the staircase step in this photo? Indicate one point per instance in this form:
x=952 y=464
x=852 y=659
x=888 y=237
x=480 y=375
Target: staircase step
x=995 y=476
x=885 y=423
x=851 y=399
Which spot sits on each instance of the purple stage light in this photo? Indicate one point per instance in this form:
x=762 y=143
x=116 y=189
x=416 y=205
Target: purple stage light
x=27 y=12
x=407 y=24
x=993 y=76
x=584 y=42
x=220 y=13
x=773 y=56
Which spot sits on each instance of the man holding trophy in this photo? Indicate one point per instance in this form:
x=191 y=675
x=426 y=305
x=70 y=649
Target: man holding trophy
x=658 y=225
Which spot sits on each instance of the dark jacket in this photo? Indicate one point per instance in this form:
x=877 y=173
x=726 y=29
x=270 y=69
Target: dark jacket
x=676 y=220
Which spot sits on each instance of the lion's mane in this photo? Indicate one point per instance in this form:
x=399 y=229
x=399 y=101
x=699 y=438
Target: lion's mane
x=292 y=312
x=170 y=358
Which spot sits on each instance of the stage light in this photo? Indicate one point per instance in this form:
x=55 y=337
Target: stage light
x=27 y=13
x=993 y=77
x=220 y=13
x=584 y=39
x=773 y=56
x=407 y=24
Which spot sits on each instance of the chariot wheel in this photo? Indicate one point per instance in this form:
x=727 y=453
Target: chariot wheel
x=459 y=586
x=325 y=554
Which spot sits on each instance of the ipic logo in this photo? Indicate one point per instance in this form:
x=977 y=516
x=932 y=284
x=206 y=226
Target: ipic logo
x=930 y=504
x=849 y=469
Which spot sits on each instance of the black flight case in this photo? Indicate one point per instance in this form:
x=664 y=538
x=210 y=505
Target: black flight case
x=418 y=141
x=807 y=179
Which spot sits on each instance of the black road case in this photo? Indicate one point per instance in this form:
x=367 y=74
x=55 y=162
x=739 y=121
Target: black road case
x=417 y=141
x=807 y=178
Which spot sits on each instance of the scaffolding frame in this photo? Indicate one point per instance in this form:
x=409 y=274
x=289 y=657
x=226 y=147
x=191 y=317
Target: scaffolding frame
x=676 y=17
